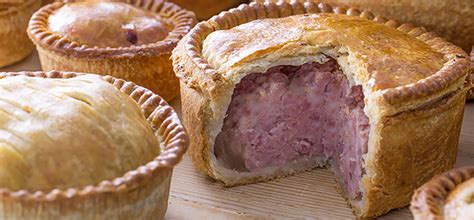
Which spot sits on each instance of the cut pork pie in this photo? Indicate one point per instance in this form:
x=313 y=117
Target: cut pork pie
x=270 y=90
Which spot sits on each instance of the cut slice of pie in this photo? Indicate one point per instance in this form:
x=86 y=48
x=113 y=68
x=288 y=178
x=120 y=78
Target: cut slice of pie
x=126 y=39
x=14 y=17
x=269 y=90
x=76 y=146
x=448 y=196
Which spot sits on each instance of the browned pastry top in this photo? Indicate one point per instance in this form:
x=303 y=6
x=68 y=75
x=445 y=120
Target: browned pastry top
x=154 y=25
x=392 y=58
x=108 y=24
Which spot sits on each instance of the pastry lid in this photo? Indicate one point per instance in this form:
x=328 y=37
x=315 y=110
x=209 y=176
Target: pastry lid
x=181 y=21
x=429 y=200
x=161 y=117
x=454 y=70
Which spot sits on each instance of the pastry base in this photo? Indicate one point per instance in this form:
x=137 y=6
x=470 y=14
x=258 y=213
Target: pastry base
x=14 y=42
x=143 y=201
x=152 y=72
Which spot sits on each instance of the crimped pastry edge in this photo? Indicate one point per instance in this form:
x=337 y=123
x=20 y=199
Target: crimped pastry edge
x=164 y=122
x=182 y=20
x=428 y=200
x=456 y=67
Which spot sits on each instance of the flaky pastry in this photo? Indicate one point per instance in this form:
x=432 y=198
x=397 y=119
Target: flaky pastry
x=274 y=89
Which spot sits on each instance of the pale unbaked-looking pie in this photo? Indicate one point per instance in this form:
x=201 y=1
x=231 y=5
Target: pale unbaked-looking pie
x=127 y=39
x=270 y=90
x=76 y=146
x=14 y=17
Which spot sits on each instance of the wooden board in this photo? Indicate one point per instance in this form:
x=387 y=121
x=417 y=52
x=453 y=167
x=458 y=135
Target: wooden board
x=309 y=195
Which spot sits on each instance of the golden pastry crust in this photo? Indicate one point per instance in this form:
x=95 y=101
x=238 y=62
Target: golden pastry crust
x=453 y=20
x=392 y=58
x=115 y=24
x=14 y=42
x=431 y=201
x=204 y=9
x=210 y=62
x=139 y=193
x=100 y=143
x=147 y=64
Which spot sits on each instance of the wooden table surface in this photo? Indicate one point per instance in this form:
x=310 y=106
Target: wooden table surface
x=309 y=195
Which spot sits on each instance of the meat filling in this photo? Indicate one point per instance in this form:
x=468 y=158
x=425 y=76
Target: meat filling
x=295 y=112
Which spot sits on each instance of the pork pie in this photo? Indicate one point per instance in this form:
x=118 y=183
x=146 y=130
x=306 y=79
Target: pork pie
x=82 y=146
x=14 y=17
x=131 y=40
x=270 y=90
x=448 y=196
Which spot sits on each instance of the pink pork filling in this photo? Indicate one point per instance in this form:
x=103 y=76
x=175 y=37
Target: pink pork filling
x=291 y=113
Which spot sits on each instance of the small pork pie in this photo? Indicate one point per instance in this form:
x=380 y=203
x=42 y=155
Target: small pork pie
x=78 y=146
x=14 y=17
x=449 y=196
x=270 y=90
x=123 y=38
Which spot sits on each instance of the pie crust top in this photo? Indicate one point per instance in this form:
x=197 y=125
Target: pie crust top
x=63 y=133
x=108 y=24
x=390 y=57
x=403 y=66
